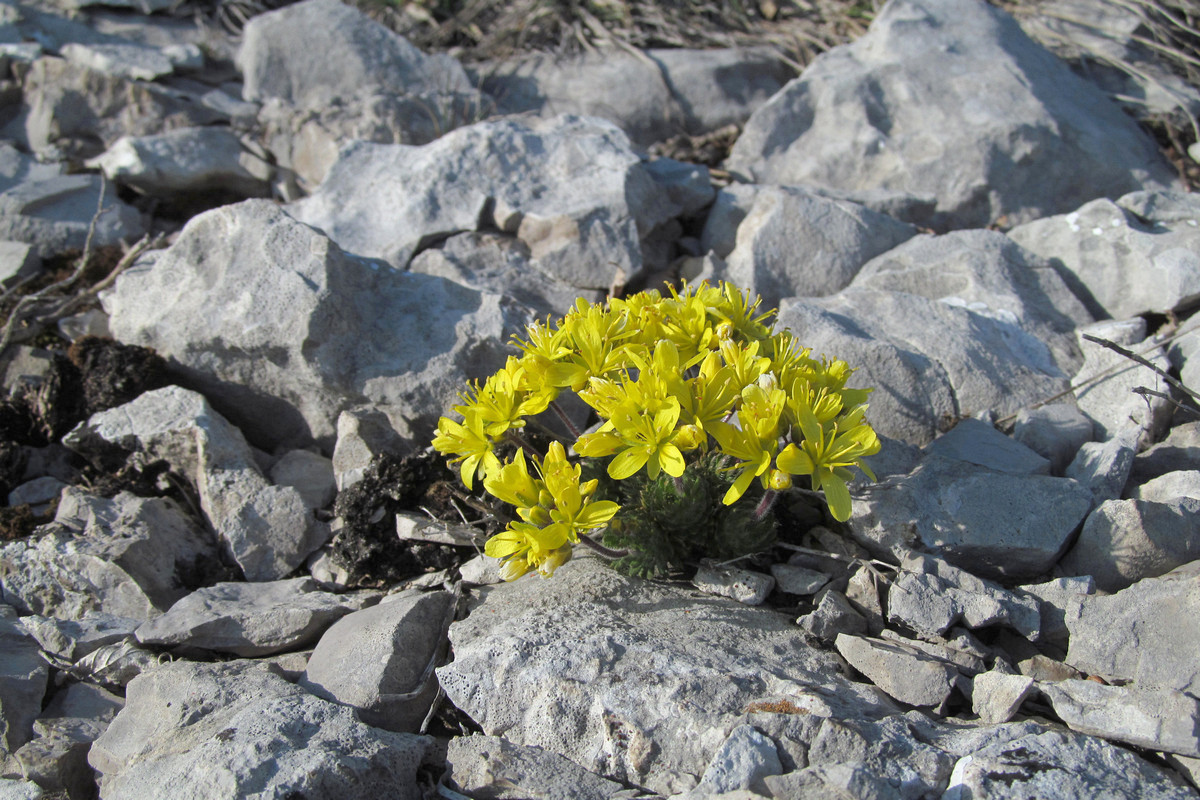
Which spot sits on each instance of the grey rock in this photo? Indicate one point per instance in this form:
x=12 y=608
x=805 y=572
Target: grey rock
x=1146 y=634
x=364 y=433
x=833 y=615
x=1046 y=670
x=985 y=272
x=189 y=161
x=1060 y=599
x=23 y=679
x=501 y=264
x=493 y=768
x=905 y=673
x=51 y=211
x=1056 y=432
x=128 y=556
x=358 y=55
x=57 y=757
x=995 y=696
x=863 y=591
x=967 y=663
x=13 y=789
x=794 y=243
x=1062 y=765
x=955 y=362
x=742 y=761
x=1124 y=541
x=249 y=619
x=581 y=220
x=1167 y=488
x=480 y=571
x=832 y=781
x=380 y=660
x=116 y=664
x=795 y=579
x=930 y=596
x=977 y=442
x=997 y=524
x=267 y=530
x=334 y=331
x=742 y=585
x=132 y=61
x=1111 y=403
x=419 y=527
x=1160 y=719
x=72 y=639
x=902 y=109
x=652 y=95
x=1103 y=467
x=38 y=492
x=1180 y=450
x=18 y=260
x=78 y=112
x=638 y=668
x=186 y=728
x=309 y=473
x=1118 y=264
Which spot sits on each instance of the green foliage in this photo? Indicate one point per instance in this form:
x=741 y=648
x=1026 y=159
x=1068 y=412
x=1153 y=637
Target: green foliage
x=705 y=415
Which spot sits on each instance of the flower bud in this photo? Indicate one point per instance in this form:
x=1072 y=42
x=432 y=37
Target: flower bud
x=779 y=480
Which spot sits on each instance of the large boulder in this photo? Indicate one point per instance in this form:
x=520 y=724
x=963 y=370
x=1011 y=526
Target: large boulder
x=329 y=330
x=949 y=98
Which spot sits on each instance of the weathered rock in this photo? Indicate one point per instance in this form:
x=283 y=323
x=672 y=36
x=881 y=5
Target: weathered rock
x=186 y=729
x=903 y=109
x=1062 y=765
x=1124 y=541
x=1169 y=487
x=676 y=673
x=333 y=331
x=358 y=55
x=743 y=760
x=1147 y=634
x=794 y=243
x=995 y=696
x=1060 y=600
x=967 y=663
x=743 y=585
x=363 y=434
x=1103 y=467
x=380 y=660
x=795 y=579
x=13 y=789
x=1179 y=451
x=250 y=619
x=904 y=672
x=267 y=530
x=985 y=272
x=652 y=95
x=1111 y=403
x=128 y=556
x=997 y=524
x=309 y=473
x=1160 y=719
x=23 y=676
x=493 y=768
x=976 y=442
x=1120 y=265
x=954 y=363
x=130 y=60
x=188 y=161
x=42 y=206
x=72 y=639
x=581 y=220
x=1055 y=432
x=78 y=112
x=18 y=260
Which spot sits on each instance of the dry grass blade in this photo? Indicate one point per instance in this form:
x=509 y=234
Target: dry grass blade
x=1132 y=356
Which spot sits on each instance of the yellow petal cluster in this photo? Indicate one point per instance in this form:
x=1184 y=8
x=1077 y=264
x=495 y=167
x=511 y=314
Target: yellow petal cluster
x=669 y=376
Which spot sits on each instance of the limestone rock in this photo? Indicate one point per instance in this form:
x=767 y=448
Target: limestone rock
x=949 y=97
x=267 y=530
x=332 y=332
x=492 y=768
x=23 y=676
x=905 y=673
x=1110 y=402
x=249 y=619
x=1160 y=719
x=1055 y=432
x=976 y=442
x=995 y=696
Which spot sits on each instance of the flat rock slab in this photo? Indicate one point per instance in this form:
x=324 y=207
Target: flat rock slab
x=186 y=730
x=651 y=678
x=905 y=673
x=250 y=619
x=491 y=767
x=1159 y=719
x=944 y=98
x=930 y=596
x=1148 y=633
x=998 y=525
x=332 y=331
x=23 y=677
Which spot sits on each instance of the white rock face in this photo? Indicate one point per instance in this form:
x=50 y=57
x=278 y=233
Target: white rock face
x=949 y=98
x=283 y=329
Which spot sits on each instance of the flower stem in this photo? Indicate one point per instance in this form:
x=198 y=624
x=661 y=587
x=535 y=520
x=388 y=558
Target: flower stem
x=562 y=415
x=601 y=549
x=764 y=505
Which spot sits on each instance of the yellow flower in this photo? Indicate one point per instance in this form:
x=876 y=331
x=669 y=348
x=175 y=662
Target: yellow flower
x=827 y=451
x=470 y=444
x=640 y=440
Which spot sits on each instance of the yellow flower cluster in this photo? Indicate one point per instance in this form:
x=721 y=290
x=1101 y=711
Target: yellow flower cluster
x=669 y=376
